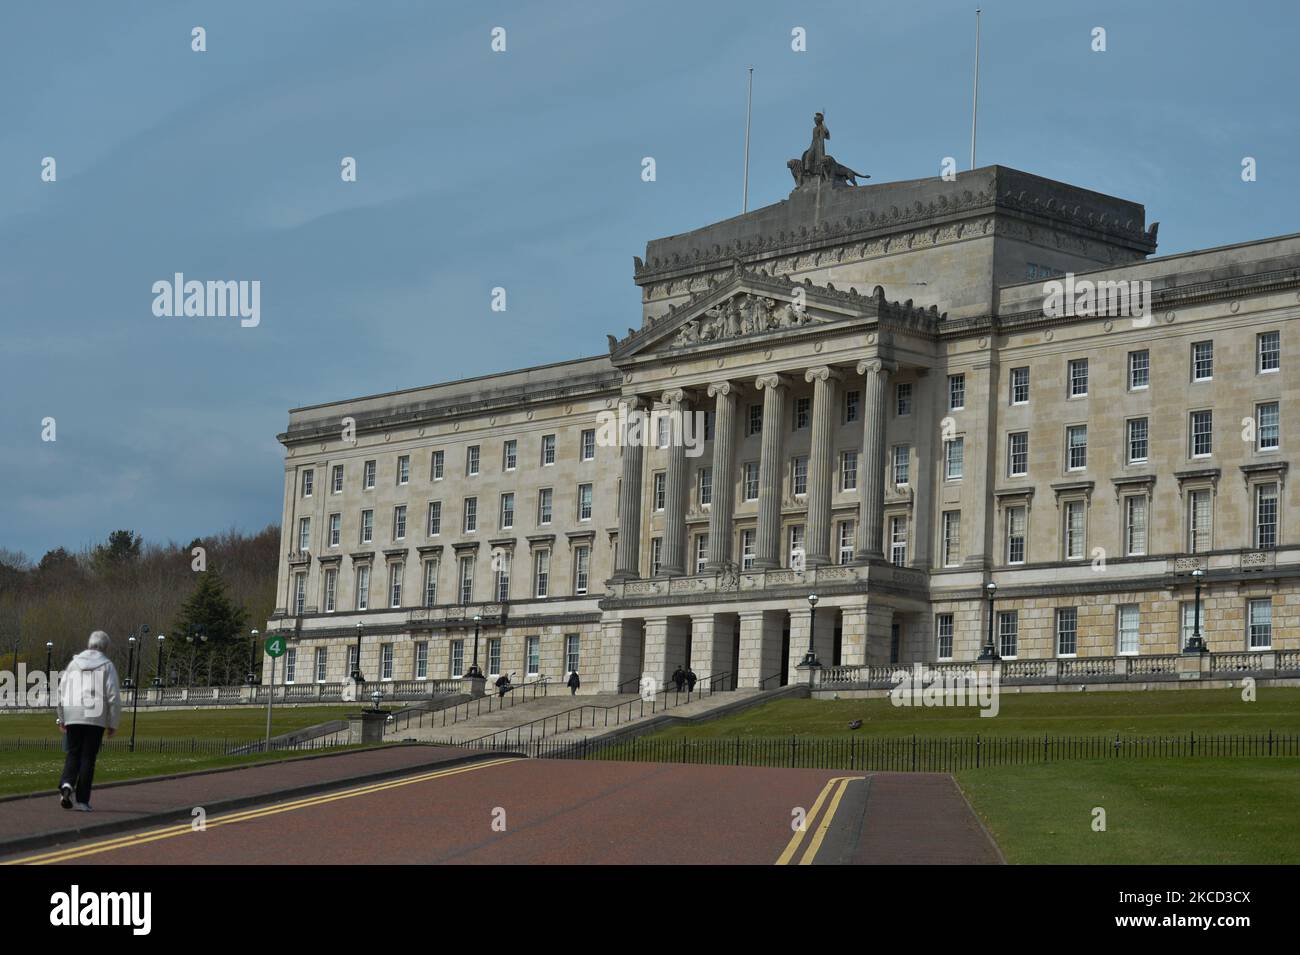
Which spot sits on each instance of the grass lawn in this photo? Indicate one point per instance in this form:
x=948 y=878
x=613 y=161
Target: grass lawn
x=1129 y=713
x=236 y=723
x=1158 y=811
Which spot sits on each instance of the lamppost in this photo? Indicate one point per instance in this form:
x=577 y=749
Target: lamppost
x=158 y=680
x=253 y=679
x=1196 y=643
x=474 y=671
x=357 y=677
x=129 y=682
x=135 y=682
x=49 y=671
x=990 y=652
x=810 y=658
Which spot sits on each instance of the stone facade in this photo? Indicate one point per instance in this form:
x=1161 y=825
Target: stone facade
x=893 y=415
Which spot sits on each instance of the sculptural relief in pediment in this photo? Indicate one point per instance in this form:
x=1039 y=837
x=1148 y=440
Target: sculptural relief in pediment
x=738 y=316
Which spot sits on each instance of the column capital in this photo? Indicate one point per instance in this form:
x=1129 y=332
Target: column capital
x=823 y=373
x=673 y=396
x=771 y=381
x=725 y=388
x=634 y=402
x=876 y=366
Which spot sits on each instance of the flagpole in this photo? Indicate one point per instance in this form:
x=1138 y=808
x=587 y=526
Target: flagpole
x=749 y=108
x=975 y=103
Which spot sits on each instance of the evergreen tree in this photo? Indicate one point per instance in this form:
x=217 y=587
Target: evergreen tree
x=210 y=611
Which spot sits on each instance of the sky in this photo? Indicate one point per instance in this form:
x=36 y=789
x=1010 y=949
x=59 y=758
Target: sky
x=521 y=169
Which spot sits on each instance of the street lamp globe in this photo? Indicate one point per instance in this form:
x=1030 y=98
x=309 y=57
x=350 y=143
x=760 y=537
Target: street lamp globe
x=990 y=588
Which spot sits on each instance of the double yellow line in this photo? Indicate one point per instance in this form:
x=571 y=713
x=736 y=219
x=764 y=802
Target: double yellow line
x=811 y=823
x=168 y=832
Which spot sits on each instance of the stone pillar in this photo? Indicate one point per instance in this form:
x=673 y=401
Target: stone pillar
x=880 y=618
x=665 y=648
x=871 y=478
x=627 y=565
x=675 y=490
x=708 y=646
x=821 y=466
x=722 y=508
x=760 y=646
x=823 y=640
x=767 y=549
x=853 y=636
x=620 y=656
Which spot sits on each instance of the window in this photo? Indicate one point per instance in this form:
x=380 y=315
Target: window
x=457 y=658
x=436 y=465
x=299 y=593
x=1076 y=447
x=663 y=430
x=430 y=583
x=1192 y=624
x=472 y=460
x=435 y=518
x=304 y=534
x=1268 y=349
x=422 y=660
x=1198 y=521
x=533 y=655
x=943 y=635
x=1266 y=515
x=507 y=510
x=1135 y=525
x=660 y=490
x=797 y=549
x=1074 y=530
x=701 y=552
x=954 y=454
x=331 y=589
x=399 y=522
x=956 y=392
x=751 y=481
x=1008 y=630
x=581 y=569
x=363 y=587
x=336 y=530
x=903 y=398
x=466 y=579
x=291 y=665
x=901 y=464
x=898 y=541
x=852 y=404
x=845 y=542
x=588 y=444
x=849 y=470
x=951 y=538
x=656 y=556
x=469 y=518
x=1259 y=615
x=1067 y=631
x=336 y=483
x=545 y=497
x=368 y=475
x=1016 y=534
x=395 y=583
x=1137 y=440
x=1202 y=361
x=353 y=665
x=1018 y=453
x=501 y=561
x=510 y=455
x=704 y=486
x=572 y=643
x=542 y=573
x=1127 y=629
x=404 y=469
x=747 y=549
x=322 y=664
x=367 y=526
x=709 y=417
x=1268 y=426
x=755 y=420
x=548 y=449
x=1078 y=375
x=386 y=661
x=308 y=479
x=494 y=655
x=895 y=641
x=1139 y=369
x=584 y=502
x=1020 y=386
x=1202 y=433
x=799 y=475
x=802 y=413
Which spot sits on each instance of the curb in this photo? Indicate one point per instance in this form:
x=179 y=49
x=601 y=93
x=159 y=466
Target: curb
x=57 y=836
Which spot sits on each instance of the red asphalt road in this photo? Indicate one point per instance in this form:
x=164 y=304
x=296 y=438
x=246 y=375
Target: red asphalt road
x=555 y=813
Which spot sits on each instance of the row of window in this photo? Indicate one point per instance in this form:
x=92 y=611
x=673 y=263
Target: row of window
x=455 y=660
x=747 y=539
x=1258 y=635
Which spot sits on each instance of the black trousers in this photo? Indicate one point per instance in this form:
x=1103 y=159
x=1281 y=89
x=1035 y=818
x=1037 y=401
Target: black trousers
x=79 y=766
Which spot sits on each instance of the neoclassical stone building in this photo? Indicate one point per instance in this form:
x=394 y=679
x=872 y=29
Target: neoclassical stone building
x=872 y=396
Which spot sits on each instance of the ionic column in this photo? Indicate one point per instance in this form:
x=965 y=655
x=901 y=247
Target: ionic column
x=627 y=565
x=725 y=395
x=821 y=466
x=767 y=552
x=871 y=478
x=675 y=492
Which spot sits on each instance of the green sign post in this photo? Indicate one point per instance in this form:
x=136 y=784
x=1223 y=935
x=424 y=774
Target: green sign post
x=275 y=647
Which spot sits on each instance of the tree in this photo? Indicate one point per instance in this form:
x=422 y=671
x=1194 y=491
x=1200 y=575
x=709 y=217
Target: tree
x=122 y=547
x=209 y=612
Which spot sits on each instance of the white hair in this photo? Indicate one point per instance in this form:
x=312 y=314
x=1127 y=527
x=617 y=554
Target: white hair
x=99 y=641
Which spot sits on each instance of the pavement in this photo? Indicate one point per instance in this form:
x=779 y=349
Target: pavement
x=505 y=810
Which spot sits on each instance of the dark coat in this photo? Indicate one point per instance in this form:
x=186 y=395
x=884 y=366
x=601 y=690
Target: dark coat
x=574 y=682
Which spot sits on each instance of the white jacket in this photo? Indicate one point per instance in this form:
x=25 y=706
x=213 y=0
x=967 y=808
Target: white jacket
x=89 y=692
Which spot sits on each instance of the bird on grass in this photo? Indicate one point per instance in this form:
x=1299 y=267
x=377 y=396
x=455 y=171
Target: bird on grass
x=856 y=724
